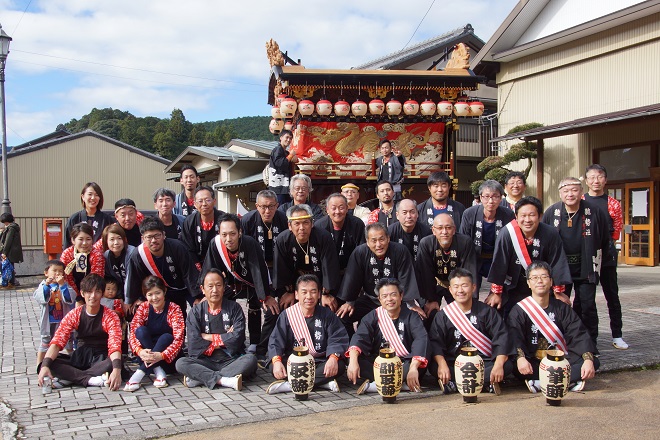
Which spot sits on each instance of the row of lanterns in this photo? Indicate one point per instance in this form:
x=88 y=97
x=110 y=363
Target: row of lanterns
x=287 y=106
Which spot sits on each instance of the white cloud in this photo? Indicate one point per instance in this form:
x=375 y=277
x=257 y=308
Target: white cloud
x=221 y=41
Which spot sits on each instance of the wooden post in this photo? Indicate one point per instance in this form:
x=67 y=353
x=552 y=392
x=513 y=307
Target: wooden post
x=539 y=169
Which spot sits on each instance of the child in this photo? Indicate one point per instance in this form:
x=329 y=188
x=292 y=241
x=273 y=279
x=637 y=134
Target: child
x=56 y=299
x=7 y=271
x=114 y=303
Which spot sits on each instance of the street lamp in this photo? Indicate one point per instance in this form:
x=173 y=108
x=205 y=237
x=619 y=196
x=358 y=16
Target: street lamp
x=4 y=51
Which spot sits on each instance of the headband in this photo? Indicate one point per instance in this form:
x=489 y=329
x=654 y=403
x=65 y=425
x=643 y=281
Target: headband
x=300 y=217
x=570 y=182
x=125 y=206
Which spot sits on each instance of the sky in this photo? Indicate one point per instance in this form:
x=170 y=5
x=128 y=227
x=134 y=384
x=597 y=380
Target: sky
x=205 y=57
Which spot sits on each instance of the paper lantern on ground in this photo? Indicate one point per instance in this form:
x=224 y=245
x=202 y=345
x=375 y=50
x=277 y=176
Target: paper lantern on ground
x=554 y=375
x=427 y=108
x=324 y=107
x=306 y=107
x=462 y=108
x=275 y=126
x=469 y=374
x=359 y=108
x=301 y=372
x=376 y=107
x=388 y=374
x=445 y=108
x=411 y=107
x=476 y=108
x=288 y=107
x=393 y=107
x=342 y=108
x=275 y=112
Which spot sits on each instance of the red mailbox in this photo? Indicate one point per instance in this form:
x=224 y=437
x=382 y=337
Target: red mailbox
x=53 y=237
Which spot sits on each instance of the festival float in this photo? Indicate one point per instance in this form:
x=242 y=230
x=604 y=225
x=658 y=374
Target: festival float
x=338 y=118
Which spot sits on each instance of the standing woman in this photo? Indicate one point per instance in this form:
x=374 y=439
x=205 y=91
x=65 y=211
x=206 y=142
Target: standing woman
x=10 y=243
x=116 y=251
x=91 y=197
x=81 y=258
x=157 y=332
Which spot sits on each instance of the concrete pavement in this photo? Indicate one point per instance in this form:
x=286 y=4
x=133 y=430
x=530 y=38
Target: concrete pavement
x=152 y=412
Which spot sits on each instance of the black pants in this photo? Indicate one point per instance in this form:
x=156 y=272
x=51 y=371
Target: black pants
x=367 y=368
x=254 y=311
x=363 y=305
x=585 y=305
x=85 y=363
x=488 y=367
x=319 y=376
x=576 y=369
x=610 y=284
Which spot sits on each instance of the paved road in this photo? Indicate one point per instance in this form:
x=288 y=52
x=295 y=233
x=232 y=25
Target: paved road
x=151 y=412
x=618 y=405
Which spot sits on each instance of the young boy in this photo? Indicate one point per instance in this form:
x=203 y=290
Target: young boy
x=56 y=299
x=114 y=303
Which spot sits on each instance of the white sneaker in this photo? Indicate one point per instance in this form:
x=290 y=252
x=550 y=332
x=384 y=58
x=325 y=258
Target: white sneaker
x=191 y=383
x=620 y=344
x=534 y=386
x=279 y=386
x=578 y=386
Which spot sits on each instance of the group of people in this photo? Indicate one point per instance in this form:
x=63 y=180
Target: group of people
x=343 y=283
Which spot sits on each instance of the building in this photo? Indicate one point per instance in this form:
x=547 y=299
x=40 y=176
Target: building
x=586 y=69
x=45 y=180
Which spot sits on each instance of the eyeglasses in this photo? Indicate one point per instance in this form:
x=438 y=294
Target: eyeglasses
x=154 y=237
x=267 y=207
x=495 y=197
x=539 y=278
x=442 y=228
x=300 y=189
x=204 y=201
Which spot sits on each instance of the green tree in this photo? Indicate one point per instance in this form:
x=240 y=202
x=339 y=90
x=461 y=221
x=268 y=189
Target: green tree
x=165 y=145
x=495 y=167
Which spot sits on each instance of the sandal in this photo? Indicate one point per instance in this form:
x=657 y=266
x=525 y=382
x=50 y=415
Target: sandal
x=161 y=382
x=132 y=386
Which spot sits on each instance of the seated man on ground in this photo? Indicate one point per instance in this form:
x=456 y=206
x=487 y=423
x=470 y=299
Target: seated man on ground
x=399 y=327
x=467 y=320
x=541 y=321
x=318 y=328
x=99 y=343
x=216 y=340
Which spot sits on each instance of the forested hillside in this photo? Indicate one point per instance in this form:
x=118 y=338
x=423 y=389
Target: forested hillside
x=168 y=137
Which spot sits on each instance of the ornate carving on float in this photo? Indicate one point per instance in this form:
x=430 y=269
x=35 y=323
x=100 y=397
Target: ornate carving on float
x=460 y=58
x=274 y=53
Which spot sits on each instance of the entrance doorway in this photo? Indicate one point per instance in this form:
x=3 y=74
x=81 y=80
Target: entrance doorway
x=639 y=240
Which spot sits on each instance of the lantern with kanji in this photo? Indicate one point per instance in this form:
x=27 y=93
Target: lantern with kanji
x=469 y=374
x=301 y=372
x=388 y=374
x=554 y=375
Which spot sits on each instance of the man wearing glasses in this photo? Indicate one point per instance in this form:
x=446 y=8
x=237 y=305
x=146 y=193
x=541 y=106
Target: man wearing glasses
x=165 y=258
x=440 y=254
x=483 y=223
x=300 y=189
x=201 y=226
x=265 y=223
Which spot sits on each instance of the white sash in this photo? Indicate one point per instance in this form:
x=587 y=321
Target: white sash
x=148 y=260
x=224 y=256
x=299 y=327
x=548 y=328
x=518 y=242
x=474 y=335
x=389 y=332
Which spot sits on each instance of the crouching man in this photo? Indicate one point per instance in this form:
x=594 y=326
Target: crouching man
x=216 y=340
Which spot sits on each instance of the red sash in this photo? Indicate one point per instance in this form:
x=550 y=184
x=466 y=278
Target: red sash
x=518 y=242
x=389 y=332
x=548 y=328
x=299 y=327
x=224 y=256
x=474 y=335
x=148 y=260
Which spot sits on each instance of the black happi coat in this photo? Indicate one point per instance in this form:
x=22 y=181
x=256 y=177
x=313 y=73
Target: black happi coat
x=200 y=321
x=473 y=220
x=409 y=240
x=350 y=236
x=195 y=238
x=254 y=226
x=454 y=208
